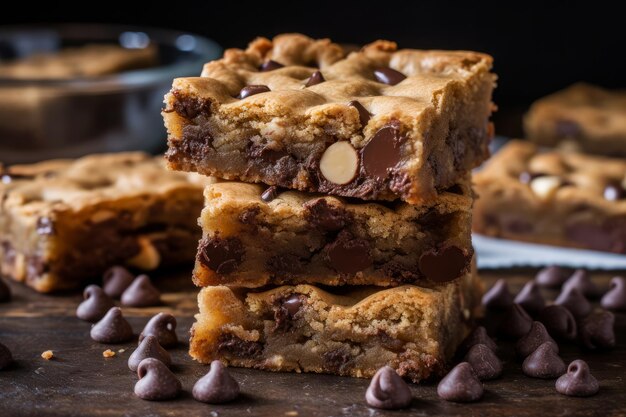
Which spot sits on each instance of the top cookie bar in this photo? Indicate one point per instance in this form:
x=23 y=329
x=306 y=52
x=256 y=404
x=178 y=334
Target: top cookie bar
x=379 y=123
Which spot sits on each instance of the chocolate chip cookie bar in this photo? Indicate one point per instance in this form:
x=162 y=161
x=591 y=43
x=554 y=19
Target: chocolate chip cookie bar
x=64 y=221
x=377 y=124
x=556 y=198
x=583 y=117
x=253 y=236
x=352 y=332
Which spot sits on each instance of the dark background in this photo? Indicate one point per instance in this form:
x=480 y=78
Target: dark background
x=539 y=47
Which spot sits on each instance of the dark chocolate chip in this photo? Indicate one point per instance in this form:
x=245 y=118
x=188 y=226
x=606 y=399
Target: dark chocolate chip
x=551 y=277
x=597 y=330
x=149 y=348
x=115 y=280
x=316 y=78
x=270 y=65
x=382 y=152
x=156 y=381
x=478 y=336
x=444 y=264
x=292 y=304
x=572 y=299
x=286 y=309
x=270 y=193
x=388 y=76
x=530 y=298
x=141 y=293
x=544 y=362
x=559 y=322
x=6 y=358
x=239 y=347
x=285 y=265
x=388 y=391
x=336 y=360
x=567 y=129
x=364 y=115
x=5 y=292
x=217 y=386
x=163 y=327
x=348 y=254
x=460 y=385
x=581 y=280
x=536 y=336
x=324 y=216
x=484 y=361
x=516 y=323
x=498 y=297
x=45 y=226
x=251 y=90
x=221 y=255
x=113 y=328
x=190 y=107
x=578 y=381
x=614 y=192
x=95 y=306
x=615 y=298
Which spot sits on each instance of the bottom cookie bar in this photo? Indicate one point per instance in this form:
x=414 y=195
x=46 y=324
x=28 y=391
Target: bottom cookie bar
x=350 y=332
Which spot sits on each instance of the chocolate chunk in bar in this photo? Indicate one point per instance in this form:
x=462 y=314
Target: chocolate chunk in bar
x=156 y=381
x=578 y=381
x=149 y=347
x=544 y=363
x=615 y=298
x=444 y=264
x=348 y=255
x=270 y=193
x=221 y=255
x=383 y=152
x=484 y=361
x=364 y=115
x=217 y=386
x=95 y=305
x=388 y=76
x=325 y=216
x=113 y=328
x=460 y=385
x=141 y=293
x=270 y=65
x=316 y=78
x=251 y=90
x=163 y=327
x=388 y=391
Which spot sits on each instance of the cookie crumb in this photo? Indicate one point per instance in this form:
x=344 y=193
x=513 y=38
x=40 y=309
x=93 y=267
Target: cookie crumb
x=108 y=353
x=47 y=355
x=121 y=351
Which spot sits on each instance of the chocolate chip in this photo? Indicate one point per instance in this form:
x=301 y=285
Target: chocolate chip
x=6 y=358
x=286 y=265
x=551 y=277
x=527 y=177
x=115 y=280
x=478 y=336
x=251 y=90
x=5 y=292
x=484 y=361
x=286 y=309
x=544 y=362
x=163 y=327
x=336 y=360
x=190 y=107
x=292 y=304
x=388 y=76
x=45 y=226
x=383 y=151
x=217 y=386
x=364 y=115
x=156 y=381
x=578 y=381
x=348 y=254
x=270 y=65
x=581 y=280
x=516 y=323
x=530 y=298
x=573 y=300
x=498 y=297
x=324 y=216
x=113 y=328
x=388 y=391
x=221 y=255
x=141 y=293
x=149 y=348
x=460 y=385
x=95 y=306
x=559 y=322
x=615 y=298
x=597 y=331
x=444 y=264
x=536 y=336
x=270 y=193
x=614 y=191
x=316 y=78
x=239 y=347
x=567 y=129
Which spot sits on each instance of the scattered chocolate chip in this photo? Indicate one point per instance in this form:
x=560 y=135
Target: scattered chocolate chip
x=141 y=293
x=527 y=177
x=478 y=336
x=163 y=327
x=581 y=280
x=115 y=280
x=484 y=361
x=567 y=129
x=559 y=322
x=364 y=115
x=6 y=358
x=324 y=216
x=536 y=336
x=270 y=65
x=551 y=277
x=388 y=76
x=614 y=192
x=530 y=298
x=444 y=264
x=615 y=298
x=251 y=90
x=516 y=323
x=544 y=362
x=95 y=306
x=597 y=330
x=498 y=297
x=217 y=386
x=348 y=255
x=156 y=381
x=316 y=78
x=221 y=255
x=149 y=348
x=460 y=385
x=383 y=151
x=45 y=226
x=578 y=381
x=388 y=391
x=270 y=193
x=5 y=292
x=113 y=328
x=573 y=300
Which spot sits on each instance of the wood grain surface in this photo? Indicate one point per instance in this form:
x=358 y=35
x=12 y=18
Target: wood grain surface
x=79 y=381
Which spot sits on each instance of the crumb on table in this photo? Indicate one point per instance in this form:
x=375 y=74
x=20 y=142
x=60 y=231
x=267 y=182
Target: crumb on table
x=108 y=353
x=47 y=355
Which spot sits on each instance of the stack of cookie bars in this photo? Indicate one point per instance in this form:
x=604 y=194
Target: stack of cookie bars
x=343 y=242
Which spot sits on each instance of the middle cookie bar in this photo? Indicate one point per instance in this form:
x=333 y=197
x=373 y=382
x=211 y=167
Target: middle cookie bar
x=253 y=237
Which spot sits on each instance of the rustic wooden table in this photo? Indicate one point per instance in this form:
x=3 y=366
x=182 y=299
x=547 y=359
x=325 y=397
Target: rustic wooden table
x=79 y=381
